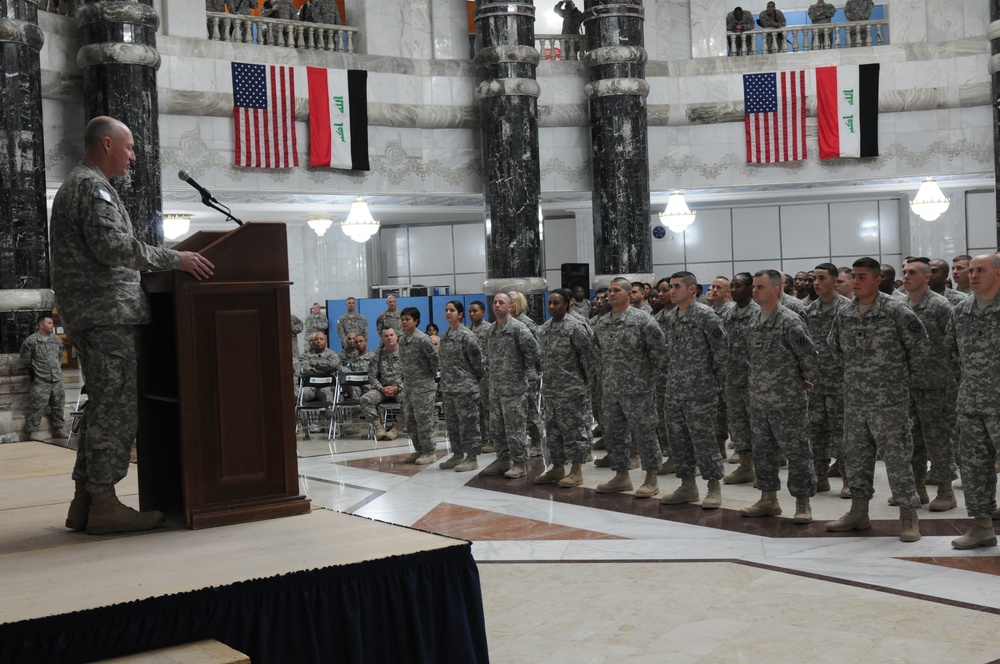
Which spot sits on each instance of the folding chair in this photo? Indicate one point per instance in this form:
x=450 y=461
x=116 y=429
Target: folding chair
x=316 y=405
x=345 y=403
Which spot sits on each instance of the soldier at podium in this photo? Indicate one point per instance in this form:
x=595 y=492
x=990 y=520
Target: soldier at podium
x=96 y=260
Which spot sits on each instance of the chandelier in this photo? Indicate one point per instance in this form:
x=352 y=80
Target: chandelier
x=677 y=217
x=175 y=225
x=930 y=203
x=359 y=225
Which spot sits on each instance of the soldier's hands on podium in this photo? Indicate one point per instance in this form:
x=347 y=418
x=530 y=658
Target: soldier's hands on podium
x=196 y=265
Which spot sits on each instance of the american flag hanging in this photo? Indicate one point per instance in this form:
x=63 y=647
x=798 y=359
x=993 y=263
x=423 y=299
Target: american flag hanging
x=264 y=116
x=775 y=107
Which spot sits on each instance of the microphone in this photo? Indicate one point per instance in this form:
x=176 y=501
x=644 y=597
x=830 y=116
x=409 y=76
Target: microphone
x=205 y=195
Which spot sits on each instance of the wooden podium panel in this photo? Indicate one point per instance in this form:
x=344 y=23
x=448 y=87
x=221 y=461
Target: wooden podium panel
x=217 y=412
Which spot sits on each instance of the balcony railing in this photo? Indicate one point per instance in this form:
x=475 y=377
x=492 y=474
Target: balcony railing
x=280 y=32
x=559 y=47
x=813 y=37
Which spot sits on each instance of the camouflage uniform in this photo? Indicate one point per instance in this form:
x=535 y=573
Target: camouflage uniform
x=781 y=357
x=569 y=357
x=482 y=332
x=661 y=391
x=43 y=357
x=721 y=414
x=879 y=351
x=974 y=342
x=322 y=363
x=582 y=307
x=932 y=397
x=737 y=323
x=419 y=359
x=283 y=9
x=356 y=363
x=355 y=323
x=96 y=260
x=826 y=399
x=793 y=303
x=323 y=11
x=512 y=353
x=296 y=331
x=631 y=345
x=953 y=296
x=316 y=323
x=534 y=422
x=348 y=355
x=462 y=370
x=389 y=319
x=384 y=371
x=695 y=365
x=596 y=390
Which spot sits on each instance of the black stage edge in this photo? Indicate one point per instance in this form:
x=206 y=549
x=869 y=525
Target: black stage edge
x=421 y=607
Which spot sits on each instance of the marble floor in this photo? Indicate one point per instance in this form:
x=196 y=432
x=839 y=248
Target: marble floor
x=570 y=575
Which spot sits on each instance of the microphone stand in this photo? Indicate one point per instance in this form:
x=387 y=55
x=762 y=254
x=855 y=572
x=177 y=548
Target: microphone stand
x=208 y=202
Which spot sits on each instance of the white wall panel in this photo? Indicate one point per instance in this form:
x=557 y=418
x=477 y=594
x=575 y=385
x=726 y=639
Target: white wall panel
x=805 y=231
x=709 y=238
x=855 y=229
x=756 y=234
x=470 y=248
x=431 y=250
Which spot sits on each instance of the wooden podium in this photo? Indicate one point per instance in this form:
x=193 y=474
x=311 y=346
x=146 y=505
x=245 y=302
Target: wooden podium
x=216 y=402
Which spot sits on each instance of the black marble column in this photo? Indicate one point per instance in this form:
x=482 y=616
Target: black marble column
x=994 y=30
x=617 y=91
x=119 y=61
x=24 y=242
x=508 y=113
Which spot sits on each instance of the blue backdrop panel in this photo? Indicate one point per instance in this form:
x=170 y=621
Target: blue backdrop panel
x=334 y=310
x=472 y=297
x=370 y=308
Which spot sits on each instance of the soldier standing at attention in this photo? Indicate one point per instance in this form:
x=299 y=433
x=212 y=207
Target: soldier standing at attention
x=781 y=362
x=826 y=399
x=974 y=342
x=462 y=370
x=569 y=358
x=512 y=353
x=42 y=353
x=737 y=322
x=351 y=322
x=419 y=360
x=389 y=317
x=96 y=260
x=880 y=342
x=631 y=344
x=481 y=327
x=695 y=367
x=932 y=393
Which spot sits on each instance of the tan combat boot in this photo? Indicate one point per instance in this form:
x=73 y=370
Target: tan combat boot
x=803 y=511
x=713 y=499
x=845 y=489
x=107 y=515
x=552 y=475
x=425 y=458
x=744 y=473
x=498 y=467
x=60 y=432
x=822 y=483
x=470 y=463
x=981 y=534
x=452 y=461
x=575 y=477
x=516 y=470
x=649 y=487
x=76 y=518
x=603 y=462
x=380 y=432
x=687 y=492
x=633 y=461
x=945 y=499
x=620 y=482
x=668 y=467
x=909 y=525
x=855 y=519
x=922 y=492
x=767 y=505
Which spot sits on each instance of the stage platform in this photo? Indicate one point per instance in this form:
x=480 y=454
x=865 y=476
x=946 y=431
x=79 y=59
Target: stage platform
x=320 y=587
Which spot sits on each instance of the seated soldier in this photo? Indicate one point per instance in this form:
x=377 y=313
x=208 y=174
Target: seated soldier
x=350 y=351
x=359 y=364
x=318 y=360
x=385 y=374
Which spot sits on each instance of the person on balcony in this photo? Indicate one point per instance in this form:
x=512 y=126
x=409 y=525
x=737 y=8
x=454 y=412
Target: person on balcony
x=821 y=12
x=739 y=21
x=858 y=10
x=571 y=16
x=773 y=18
x=283 y=10
x=320 y=11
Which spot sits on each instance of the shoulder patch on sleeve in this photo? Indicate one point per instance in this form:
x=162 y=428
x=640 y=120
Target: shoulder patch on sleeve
x=105 y=195
x=914 y=327
x=717 y=333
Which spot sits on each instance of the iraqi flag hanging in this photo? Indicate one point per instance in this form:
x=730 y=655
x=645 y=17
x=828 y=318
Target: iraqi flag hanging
x=847 y=110
x=338 y=118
